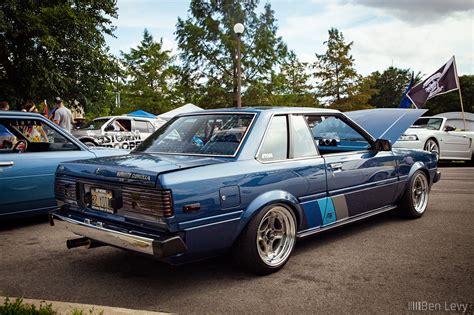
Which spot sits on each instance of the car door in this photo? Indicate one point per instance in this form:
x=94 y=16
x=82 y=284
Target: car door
x=454 y=143
x=359 y=179
x=27 y=175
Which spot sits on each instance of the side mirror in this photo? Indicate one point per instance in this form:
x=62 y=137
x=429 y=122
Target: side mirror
x=382 y=145
x=449 y=128
x=109 y=128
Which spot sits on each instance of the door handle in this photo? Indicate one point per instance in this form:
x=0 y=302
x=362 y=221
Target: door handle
x=6 y=163
x=336 y=166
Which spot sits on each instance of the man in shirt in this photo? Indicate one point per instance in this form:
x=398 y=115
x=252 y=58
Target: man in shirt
x=62 y=115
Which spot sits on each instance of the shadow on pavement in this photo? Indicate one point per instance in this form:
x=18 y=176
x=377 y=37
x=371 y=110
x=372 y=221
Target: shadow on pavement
x=14 y=223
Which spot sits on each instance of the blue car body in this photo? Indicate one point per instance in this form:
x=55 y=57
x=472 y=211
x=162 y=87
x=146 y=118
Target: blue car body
x=27 y=178
x=213 y=198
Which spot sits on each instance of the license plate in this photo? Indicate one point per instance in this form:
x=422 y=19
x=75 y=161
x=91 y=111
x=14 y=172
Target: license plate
x=101 y=199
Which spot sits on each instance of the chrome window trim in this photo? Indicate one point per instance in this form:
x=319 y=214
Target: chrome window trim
x=237 y=151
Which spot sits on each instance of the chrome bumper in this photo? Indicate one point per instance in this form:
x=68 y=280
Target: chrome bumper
x=158 y=247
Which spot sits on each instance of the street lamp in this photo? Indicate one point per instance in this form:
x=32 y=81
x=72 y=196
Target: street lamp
x=238 y=29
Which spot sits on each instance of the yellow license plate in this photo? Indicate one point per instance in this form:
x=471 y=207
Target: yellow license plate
x=101 y=199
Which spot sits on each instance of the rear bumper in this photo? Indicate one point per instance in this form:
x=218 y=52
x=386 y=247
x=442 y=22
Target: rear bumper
x=154 y=245
x=437 y=177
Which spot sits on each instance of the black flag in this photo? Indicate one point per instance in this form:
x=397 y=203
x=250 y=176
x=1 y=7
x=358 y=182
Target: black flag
x=442 y=81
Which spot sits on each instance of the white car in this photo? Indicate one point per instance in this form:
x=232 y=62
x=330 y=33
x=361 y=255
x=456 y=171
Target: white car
x=438 y=134
x=125 y=132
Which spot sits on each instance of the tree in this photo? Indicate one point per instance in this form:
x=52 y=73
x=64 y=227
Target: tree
x=390 y=85
x=291 y=86
x=208 y=44
x=449 y=102
x=335 y=69
x=52 y=48
x=148 y=74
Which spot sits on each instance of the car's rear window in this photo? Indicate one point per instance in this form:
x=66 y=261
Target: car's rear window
x=208 y=134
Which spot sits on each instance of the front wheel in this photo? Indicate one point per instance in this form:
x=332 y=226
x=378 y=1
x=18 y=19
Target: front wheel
x=415 y=199
x=89 y=143
x=432 y=146
x=267 y=242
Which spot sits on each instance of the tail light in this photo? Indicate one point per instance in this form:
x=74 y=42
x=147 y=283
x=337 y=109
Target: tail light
x=149 y=202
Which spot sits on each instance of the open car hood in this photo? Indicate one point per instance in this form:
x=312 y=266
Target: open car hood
x=386 y=123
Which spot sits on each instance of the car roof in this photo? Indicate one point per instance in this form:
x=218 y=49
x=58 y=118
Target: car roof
x=18 y=113
x=125 y=116
x=272 y=110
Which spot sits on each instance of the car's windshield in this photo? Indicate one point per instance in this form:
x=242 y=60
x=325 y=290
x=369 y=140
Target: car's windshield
x=95 y=124
x=428 y=123
x=209 y=134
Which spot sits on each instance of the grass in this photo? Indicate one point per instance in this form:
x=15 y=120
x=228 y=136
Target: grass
x=19 y=308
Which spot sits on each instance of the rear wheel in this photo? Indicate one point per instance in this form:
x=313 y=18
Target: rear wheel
x=267 y=242
x=415 y=199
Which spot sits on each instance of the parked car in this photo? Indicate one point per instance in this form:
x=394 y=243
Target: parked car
x=252 y=180
x=436 y=134
x=125 y=132
x=31 y=148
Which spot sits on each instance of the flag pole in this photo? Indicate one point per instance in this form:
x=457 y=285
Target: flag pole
x=460 y=95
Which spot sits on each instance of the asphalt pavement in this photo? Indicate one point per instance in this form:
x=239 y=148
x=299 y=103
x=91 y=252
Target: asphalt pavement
x=378 y=265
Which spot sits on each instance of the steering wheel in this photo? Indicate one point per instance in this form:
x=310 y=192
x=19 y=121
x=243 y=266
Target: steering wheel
x=20 y=146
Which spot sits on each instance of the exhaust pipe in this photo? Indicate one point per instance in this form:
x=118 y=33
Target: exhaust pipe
x=83 y=241
x=78 y=242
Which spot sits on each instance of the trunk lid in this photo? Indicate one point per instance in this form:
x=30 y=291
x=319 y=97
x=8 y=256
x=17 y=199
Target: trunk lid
x=136 y=168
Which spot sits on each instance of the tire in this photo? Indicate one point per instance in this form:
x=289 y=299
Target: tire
x=415 y=199
x=266 y=243
x=89 y=143
x=432 y=146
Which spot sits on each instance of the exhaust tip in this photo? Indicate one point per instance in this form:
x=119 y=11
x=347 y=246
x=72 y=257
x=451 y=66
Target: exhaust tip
x=78 y=242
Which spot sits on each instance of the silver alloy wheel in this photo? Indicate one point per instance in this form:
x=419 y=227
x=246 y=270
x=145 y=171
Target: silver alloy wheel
x=276 y=236
x=432 y=146
x=420 y=191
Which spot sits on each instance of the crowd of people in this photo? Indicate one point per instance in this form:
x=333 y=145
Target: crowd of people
x=60 y=114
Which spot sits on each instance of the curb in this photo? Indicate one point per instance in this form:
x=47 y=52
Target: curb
x=67 y=308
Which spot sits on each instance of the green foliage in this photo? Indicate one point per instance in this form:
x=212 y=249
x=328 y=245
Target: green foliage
x=291 y=86
x=449 y=102
x=335 y=69
x=390 y=86
x=148 y=73
x=209 y=47
x=19 y=308
x=51 y=48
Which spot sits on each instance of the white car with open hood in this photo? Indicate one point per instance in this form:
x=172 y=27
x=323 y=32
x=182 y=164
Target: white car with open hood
x=443 y=134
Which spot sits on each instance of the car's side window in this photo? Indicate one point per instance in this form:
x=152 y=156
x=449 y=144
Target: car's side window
x=31 y=135
x=333 y=135
x=141 y=126
x=151 y=129
x=275 y=144
x=302 y=140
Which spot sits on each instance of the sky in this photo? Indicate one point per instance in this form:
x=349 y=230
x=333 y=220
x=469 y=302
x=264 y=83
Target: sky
x=418 y=34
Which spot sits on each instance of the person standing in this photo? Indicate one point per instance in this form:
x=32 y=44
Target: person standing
x=62 y=115
x=4 y=106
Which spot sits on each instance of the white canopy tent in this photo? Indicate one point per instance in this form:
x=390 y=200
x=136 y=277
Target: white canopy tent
x=188 y=108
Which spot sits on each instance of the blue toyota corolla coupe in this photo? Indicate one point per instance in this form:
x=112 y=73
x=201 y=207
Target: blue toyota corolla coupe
x=252 y=180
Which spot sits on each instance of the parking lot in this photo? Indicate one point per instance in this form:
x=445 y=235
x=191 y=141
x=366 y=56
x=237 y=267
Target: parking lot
x=378 y=265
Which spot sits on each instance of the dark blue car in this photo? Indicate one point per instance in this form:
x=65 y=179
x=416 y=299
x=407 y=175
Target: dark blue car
x=253 y=180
